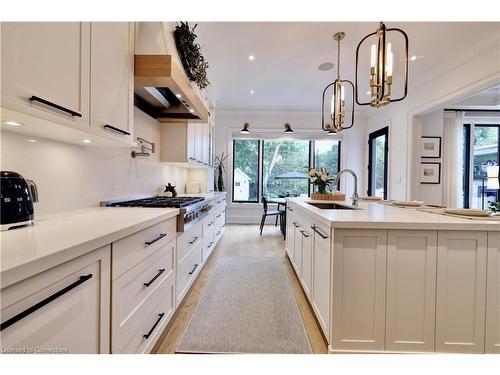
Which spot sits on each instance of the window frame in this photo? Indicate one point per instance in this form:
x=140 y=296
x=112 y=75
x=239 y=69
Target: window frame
x=371 y=137
x=468 y=158
x=259 y=163
x=260 y=188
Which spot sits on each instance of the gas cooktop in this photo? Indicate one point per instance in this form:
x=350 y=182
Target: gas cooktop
x=177 y=202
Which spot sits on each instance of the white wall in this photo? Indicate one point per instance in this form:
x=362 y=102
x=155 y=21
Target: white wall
x=71 y=177
x=431 y=126
x=481 y=69
x=351 y=151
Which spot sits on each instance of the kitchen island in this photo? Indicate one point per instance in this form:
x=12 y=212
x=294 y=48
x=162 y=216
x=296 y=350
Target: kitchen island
x=388 y=279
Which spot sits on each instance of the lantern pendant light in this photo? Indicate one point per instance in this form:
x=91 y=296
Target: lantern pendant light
x=337 y=103
x=381 y=68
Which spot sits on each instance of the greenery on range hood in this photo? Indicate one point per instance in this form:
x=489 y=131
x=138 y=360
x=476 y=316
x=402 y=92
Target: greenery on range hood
x=193 y=61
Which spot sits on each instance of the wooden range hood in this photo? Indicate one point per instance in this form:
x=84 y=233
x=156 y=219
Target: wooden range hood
x=158 y=83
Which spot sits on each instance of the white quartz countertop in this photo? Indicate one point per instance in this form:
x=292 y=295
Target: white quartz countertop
x=57 y=238
x=376 y=215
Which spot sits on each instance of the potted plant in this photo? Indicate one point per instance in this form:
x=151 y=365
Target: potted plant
x=320 y=178
x=219 y=172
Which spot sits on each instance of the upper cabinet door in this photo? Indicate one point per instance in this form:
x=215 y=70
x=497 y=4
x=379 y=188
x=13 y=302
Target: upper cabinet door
x=461 y=291
x=198 y=142
x=112 y=78
x=50 y=63
x=191 y=137
x=204 y=151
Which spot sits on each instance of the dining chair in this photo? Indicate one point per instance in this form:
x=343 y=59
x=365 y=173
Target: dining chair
x=267 y=212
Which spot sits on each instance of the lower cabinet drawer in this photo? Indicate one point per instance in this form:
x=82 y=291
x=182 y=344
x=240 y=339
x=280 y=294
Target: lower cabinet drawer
x=132 y=290
x=187 y=270
x=130 y=250
x=208 y=244
x=62 y=310
x=187 y=240
x=155 y=314
x=208 y=223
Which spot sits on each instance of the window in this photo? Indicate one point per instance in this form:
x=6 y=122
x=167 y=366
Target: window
x=246 y=155
x=378 y=150
x=277 y=168
x=327 y=155
x=285 y=167
x=481 y=153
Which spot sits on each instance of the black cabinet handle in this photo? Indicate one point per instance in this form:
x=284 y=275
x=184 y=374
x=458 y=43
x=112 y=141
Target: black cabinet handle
x=160 y=316
x=44 y=302
x=190 y=158
x=218 y=233
x=290 y=209
x=116 y=129
x=295 y=224
x=210 y=245
x=194 y=269
x=304 y=234
x=160 y=271
x=194 y=240
x=218 y=216
x=155 y=239
x=210 y=224
x=54 y=105
x=324 y=236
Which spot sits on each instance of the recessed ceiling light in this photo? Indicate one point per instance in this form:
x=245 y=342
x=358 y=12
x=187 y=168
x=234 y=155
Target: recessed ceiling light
x=32 y=140
x=191 y=110
x=86 y=141
x=252 y=92
x=178 y=95
x=12 y=123
x=251 y=57
x=413 y=58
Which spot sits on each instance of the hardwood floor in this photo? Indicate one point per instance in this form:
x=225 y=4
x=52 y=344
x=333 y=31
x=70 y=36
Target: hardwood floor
x=241 y=240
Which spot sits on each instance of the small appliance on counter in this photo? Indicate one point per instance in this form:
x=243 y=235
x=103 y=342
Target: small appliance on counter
x=16 y=196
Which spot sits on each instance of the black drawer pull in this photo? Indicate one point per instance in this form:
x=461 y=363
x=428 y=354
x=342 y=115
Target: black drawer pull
x=290 y=209
x=210 y=245
x=155 y=239
x=295 y=224
x=194 y=269
x=210 y=224
x=116 y=129
x=44 y=302
x=194 y=240
x=218 y=233
x=54 y=105
x=304 y=234
x=218 y=216
x=160 y=316
x=160 y=271
x=324 y=236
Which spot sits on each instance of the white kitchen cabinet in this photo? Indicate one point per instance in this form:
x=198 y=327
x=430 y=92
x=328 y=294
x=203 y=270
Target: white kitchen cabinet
x=359 y=280
x=321 y=283
x=461 y=291
x=290 y=233
x=205 y=150
x=411 y=290
x=297 y=259
x=112 y=79
x=493 y=294
x=307 y=259
x=183 y=143
x=70 y=307
x=49 y=61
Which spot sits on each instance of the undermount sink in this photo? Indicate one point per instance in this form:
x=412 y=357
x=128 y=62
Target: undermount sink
x=331 y=206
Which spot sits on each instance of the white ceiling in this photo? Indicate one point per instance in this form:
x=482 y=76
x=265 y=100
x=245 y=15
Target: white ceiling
x=285 y=75
x=486 y=99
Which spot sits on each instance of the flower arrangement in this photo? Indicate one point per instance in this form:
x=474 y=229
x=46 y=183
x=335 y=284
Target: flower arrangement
x=321 y=178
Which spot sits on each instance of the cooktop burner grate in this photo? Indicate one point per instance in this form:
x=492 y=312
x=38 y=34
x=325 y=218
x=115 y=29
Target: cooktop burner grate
x=177 y=202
